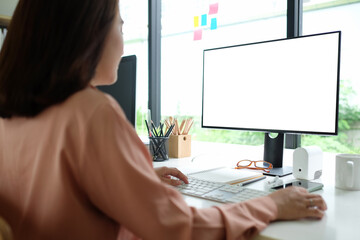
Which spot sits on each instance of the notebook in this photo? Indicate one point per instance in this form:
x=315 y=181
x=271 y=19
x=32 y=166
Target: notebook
x=228 y=175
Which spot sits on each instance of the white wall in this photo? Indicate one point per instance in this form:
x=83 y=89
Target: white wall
x=7 y=7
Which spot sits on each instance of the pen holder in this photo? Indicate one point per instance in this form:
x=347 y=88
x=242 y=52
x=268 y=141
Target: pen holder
x=180 y=146
x=159 y=148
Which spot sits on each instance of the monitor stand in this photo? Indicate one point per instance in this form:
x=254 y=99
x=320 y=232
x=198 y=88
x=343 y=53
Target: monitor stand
x=281 y=171
x=273 y=153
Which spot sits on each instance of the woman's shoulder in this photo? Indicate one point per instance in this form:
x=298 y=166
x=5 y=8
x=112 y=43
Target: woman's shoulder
x=87 y=102
x=89 y=96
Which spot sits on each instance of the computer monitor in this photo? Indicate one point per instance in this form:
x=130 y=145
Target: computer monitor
x=124 y=90
x=279 y=86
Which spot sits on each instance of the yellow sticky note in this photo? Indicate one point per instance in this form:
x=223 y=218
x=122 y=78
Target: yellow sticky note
x=196 y=21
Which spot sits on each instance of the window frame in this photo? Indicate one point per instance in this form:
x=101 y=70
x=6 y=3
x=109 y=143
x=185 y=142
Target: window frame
x=294 y=29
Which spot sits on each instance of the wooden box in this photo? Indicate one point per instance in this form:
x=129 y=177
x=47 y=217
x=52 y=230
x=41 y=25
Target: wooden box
x=179 y=146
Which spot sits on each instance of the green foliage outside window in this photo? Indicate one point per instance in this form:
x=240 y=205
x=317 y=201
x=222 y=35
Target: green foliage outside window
x=349 y=114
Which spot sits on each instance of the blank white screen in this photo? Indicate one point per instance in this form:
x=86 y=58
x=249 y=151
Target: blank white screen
x=283 y=86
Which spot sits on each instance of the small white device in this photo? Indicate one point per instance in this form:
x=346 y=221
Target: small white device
x=308 y=185
x=307 y=162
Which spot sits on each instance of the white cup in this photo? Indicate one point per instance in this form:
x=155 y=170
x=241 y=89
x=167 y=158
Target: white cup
x=347 y=171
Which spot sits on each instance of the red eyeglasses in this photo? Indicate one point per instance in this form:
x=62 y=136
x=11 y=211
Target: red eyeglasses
x=257 y=165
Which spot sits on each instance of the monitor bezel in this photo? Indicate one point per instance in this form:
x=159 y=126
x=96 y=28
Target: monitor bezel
x=282 y=131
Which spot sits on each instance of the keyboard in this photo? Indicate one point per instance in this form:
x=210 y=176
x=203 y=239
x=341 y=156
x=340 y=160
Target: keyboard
x=219 y=192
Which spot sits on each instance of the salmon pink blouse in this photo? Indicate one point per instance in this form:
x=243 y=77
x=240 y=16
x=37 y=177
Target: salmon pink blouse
x=79 y=171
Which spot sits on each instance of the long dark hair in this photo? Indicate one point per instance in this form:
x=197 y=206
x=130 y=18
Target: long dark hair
x=51 y=51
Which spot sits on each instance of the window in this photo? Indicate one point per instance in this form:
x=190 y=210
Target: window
x=135 y=16
x=192 y=26
x=324 y=16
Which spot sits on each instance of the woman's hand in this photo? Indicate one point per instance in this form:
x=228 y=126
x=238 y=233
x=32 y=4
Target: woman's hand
x=296 y=203
x=165 y=174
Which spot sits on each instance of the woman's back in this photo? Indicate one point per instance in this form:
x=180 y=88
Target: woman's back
x=40 y=188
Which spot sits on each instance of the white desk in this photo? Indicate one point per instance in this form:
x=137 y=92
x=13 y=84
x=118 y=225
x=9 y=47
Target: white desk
x=340 y=222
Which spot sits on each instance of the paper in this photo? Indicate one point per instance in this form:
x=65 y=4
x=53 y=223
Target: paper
x=196 y=21
x=197 y=34
x=213 y=25
x=227 y=175
x=214 y=8
x=204 y=20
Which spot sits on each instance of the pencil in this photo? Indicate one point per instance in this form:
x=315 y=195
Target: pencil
x=170 y=130
x=147 y=126
x=161 y=129
x=177 y=131
x=189 y=126
x=154 y=129
x=182 y=126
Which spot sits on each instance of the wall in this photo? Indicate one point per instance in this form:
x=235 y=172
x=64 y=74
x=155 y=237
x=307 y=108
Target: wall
x=7 y=7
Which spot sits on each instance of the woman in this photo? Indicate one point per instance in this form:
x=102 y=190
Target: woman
x=71 y=165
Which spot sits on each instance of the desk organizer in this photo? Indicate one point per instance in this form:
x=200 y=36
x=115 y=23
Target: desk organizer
x=179 y=146
x=159 y=148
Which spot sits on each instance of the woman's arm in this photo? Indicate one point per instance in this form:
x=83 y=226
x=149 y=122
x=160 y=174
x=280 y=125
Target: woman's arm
x=118 y=177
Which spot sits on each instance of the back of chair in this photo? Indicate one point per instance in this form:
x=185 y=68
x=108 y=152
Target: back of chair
x=5 y=230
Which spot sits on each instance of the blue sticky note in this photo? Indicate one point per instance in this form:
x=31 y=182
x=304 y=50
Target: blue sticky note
x=213 y=24
x=204 y=20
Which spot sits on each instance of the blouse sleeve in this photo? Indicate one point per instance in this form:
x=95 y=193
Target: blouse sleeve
x=117 y=176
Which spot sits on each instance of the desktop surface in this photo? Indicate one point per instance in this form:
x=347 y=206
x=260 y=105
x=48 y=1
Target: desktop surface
x=339 y=222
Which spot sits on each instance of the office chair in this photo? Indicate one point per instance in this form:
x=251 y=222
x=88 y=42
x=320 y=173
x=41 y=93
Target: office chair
x=5 y=230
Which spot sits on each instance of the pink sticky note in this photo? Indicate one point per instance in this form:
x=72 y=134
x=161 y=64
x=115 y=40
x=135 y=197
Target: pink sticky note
x=214 y=8
x=197 y=34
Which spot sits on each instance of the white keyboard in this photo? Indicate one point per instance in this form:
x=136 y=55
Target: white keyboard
x=219 y=192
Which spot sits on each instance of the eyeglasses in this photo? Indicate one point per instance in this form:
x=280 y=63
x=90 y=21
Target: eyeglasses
x=258 y=165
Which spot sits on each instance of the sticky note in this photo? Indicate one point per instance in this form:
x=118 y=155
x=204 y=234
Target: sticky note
x=196 y=21
x=214 y=8
x=213 y=24
x=204 y=20
x=197 y=34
